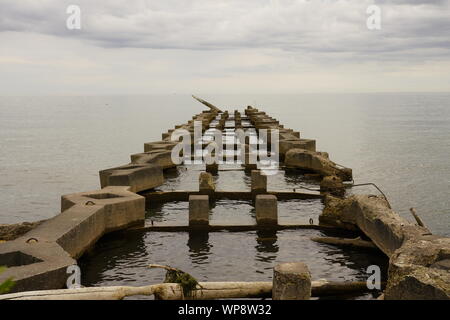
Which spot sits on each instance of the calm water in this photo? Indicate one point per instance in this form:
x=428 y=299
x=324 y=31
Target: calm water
x=221 y=256
x=56 y=145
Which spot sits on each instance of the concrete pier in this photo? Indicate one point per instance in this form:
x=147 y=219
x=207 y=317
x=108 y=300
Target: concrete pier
x=266 y=208
x=162 y=158
x=138 y=177
x=198 y=210
x=291 y=281
x=333 y=185
x=259 y=182
x=159 y=145
x=206 y=184
x=315 y=162
x=39 y=259
x=250 y=161
x=418 y=261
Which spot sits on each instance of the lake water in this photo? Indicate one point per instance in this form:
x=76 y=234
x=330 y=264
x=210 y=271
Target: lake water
x=56 y=145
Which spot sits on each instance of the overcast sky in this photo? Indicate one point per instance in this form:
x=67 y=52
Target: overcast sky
x=223 y=46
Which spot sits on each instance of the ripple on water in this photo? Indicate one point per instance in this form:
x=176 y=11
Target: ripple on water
x=220 y=256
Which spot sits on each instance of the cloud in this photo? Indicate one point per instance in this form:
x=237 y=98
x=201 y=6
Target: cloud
x=299 y=26
x=246 y=45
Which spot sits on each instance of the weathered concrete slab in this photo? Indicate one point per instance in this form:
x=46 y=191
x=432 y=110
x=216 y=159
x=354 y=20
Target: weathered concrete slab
x=39 y=259
x=123 y=208
x=316 y=162
x=159 y=145
x=306 y=144
x=138 y=177
x=34 y=266
x=417 y=265
x=160 y=158
x=333 y=185
x=420 y=270
x=372 y=215
x=10 y=232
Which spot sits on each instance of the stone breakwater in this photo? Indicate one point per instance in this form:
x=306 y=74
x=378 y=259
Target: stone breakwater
x=419 y=262
x=37 y=260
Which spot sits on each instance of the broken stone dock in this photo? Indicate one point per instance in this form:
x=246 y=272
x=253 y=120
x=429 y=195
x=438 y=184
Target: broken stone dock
x=419 y=262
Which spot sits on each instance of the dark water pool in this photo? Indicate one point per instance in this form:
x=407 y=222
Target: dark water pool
x=122 y=259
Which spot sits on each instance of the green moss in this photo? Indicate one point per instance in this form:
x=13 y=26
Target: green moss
x=7 y=285
x=187 y=282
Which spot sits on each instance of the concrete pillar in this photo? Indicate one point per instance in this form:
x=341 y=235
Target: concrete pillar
x=198 y=210
x=206 y=184
x=291 y=281
x=259 y=182
x=266 y=209
x=250 y=162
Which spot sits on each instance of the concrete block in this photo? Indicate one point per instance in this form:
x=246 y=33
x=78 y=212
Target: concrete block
x=122 y=207
x=39 y=259
x=306 y=144
x=266 y=209
x=250 y=161
x=418 y=267
x=206 y=184
x=333 y=185
x=259 y=182
x=34 y=265
x=157 y=157
x=159 y=145
x=139 y=177
x=291 y=281
x=166 y=136
x=313 y=161
x=289 y=135
x=198 y=210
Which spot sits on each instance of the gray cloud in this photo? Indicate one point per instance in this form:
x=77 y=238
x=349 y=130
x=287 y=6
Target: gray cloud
x=296 y=26
x=223 y=46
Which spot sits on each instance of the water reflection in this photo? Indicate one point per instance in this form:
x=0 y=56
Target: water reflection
x=129 y=252
x=266 y=246
x=175 y=211
x=199 y=247
x=222 y=256
x=297 y=179
x=358 y=260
